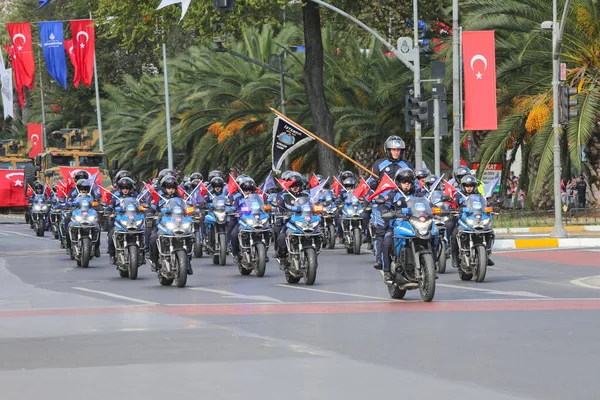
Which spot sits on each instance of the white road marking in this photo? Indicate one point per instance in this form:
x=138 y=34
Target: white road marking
x=331 y=292
x=4 y=233
x=29 y=236
x=116 y=296
x=232 y=295
x=579 y=282
x=498 y=292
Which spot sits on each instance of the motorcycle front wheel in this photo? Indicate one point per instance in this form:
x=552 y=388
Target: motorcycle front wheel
x=441 y=256
x=198 y=245
x=86 y=248
x=134 y=261
x=183 y=261
x=261 y=259
x=222 y=249
x=357 y=240
x=310 y=272
x=41 y=227
x=481 y=263
x=427 y=281
x=331 y=238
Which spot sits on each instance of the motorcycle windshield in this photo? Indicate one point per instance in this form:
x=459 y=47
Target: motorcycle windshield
x=305 y=207
x=436 y=197
x=476 y=203
x=130 y=205
x=176 y=206
x=219 y=203
x=420 y=207
x=254 y=204
x=39 y=199
x=85 y=202
x=352 y=199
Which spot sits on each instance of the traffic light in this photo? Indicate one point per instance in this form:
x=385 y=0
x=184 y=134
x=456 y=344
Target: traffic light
x=416 y=109
x=566 y=102
x=223 y=5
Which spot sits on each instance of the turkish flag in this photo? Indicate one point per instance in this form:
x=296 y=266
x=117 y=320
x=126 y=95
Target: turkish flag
x=202 y=189
x=232 y=185
x=286 y=184
x=386 y=183
x=153 y=192
x=70 y=49
x=336 y=186
x=34 y=135
x=84 y=48
x=11 y=188
x=181 y=192
x=362 y=189
x=313 y=182
x=29 y=191
x=105 y=195
x=479 y=68
x=61 y=190
x=68 y=174
x=21 y=56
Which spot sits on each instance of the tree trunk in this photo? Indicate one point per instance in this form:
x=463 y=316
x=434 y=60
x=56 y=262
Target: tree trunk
x=315 y=90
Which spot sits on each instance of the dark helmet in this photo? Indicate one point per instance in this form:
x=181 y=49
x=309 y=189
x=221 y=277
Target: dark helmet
x=165 y=172
x=126 y=183
x=461 y=172
x=349 y=183
x=285 y=175
x=217 y=181
x=346 y=174
x=214 y=173
x=405 y=175
x=294 y=176
x=241 y=179
x=468 y=180
x=189 y=186
x=248 y=185
x=196 y=175
x=38 y=185
x=169 y=182
x=81 y=174
x=122 y=174
x=319 y=178
x=430 y=180
x=422 y=173
x=391 y=143
x=83 y=184
x=187 y=179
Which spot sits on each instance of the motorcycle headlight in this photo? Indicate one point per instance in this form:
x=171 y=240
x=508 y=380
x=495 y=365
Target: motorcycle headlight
x=78 y=218
x=138 y=222
x=250 y=222
x=44 y=207
x=186 y=226
x=486 y=222
x=91 y=218
x=264 y=220
x=37 y=207
x=422 y=227
x=220 y=216
x=301 y=224
x=170 y=226
x=314 y=224
x=472 y=222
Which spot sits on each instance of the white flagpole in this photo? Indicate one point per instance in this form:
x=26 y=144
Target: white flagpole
x=167 y=108
x=98 y=110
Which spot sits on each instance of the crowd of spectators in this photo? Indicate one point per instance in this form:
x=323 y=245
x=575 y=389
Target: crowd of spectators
x=573 y=192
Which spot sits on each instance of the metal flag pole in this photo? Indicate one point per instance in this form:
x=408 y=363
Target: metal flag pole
x=44 y=142
x=98 y=110
x=167 y=108
x=417 y=85
x=456 y=97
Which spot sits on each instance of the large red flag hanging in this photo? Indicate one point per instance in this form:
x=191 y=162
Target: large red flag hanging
x=83 y=47
x=34 y=135
x=479 y=68
x=21 y=59
x=386 y=183
x=70 y=49
x=11 y=188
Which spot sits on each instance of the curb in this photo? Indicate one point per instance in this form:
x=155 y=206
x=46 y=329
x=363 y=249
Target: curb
x=548 y=229
x=546 y=243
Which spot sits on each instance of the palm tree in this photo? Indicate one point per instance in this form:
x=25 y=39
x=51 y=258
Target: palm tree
x=524 y=76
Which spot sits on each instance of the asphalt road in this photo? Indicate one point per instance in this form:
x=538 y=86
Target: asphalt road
x=528 y=332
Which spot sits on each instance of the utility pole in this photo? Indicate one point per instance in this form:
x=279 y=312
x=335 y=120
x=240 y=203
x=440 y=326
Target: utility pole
x=286 y=163
x=167 y=108
x=417 y=85
x=98 y=109
x=456 y=98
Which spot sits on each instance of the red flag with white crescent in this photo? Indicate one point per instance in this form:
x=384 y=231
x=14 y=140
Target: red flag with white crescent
x=386 y=183
x=34 y=135
x=21 y=56
x=84 y=48
x=11 y=188
x=479 y=68
x=70 y=49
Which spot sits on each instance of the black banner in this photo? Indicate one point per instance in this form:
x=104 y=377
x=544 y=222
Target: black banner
x=286 y=138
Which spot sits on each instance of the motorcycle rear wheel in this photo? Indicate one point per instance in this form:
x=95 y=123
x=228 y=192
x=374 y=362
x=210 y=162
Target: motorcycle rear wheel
x=261 y=259
x=86 y=248
x=395 y=292
x=289 y=278
x=310 y=273
x=134 y=261
x=331 y=238
x=427 y=282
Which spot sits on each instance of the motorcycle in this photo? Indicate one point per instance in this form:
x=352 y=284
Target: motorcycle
x=39 y=214
x=351 y=221
x=197 y=230
x=175 y=242
x=215 y=240
x=128 y=237
x=328 y=221
x=475 y=238
x=84 y=231
x=55 y=218
x=441 y=245
x=413 y=264
x=303 y=241
x=254 y=236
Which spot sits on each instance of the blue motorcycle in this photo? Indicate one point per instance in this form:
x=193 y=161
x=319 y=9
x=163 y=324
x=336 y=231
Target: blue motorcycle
x=441 y=245
x=328 y=219
x=83 y=230
x=175 y=242
x=215 y=239
x=254 y=236
x=303 y=242
x=351 y=224
x=39 y=214
x=129 y=237
x=413 y=264
x=55 y=218
x=475 y=238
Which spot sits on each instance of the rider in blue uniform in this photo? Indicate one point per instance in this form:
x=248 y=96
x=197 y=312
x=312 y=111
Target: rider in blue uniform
x=125 y=188
x=393 y=146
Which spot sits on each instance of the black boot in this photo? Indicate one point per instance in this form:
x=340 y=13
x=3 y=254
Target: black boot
x=490 y=262
x=112 y=261
x=377 y=265
x=388 y=277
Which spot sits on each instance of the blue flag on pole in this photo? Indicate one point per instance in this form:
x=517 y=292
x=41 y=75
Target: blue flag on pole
x=42 y=3
x=51 y=35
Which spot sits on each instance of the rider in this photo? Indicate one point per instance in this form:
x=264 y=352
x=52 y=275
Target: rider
x=392 y=200
x=420 y=188
x=125 y=188
x=394 y=145
x=286 y=204
x=83 y=189
x=121 y=174
x=169 y=187
x=247 y=186
x=216 y=184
